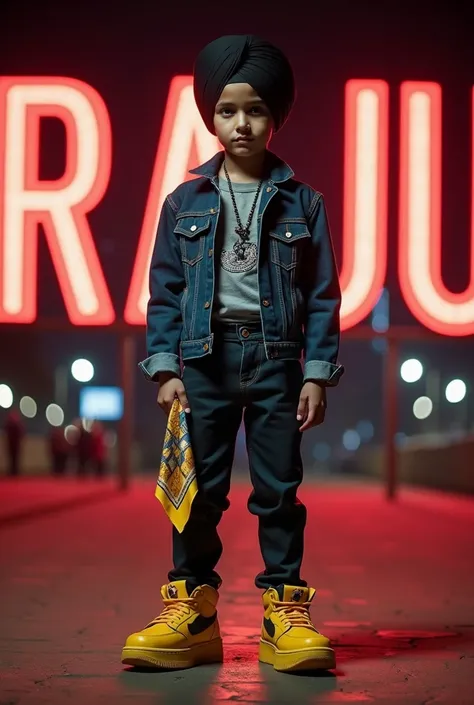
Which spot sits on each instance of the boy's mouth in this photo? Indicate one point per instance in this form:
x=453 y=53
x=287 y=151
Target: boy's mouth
x=243 y=139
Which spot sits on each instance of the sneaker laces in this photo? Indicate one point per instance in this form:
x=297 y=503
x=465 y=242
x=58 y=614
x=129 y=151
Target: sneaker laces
x=175 y=610
x=295 y=614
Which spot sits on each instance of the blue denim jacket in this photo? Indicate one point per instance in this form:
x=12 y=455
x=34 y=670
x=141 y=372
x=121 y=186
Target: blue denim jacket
x=298 y=280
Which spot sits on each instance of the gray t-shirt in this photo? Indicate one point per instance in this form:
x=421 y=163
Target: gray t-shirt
x=236 y=298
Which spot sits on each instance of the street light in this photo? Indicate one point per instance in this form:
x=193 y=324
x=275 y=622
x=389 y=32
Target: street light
x=82 y=370
x=455 y=391
x=411 y=370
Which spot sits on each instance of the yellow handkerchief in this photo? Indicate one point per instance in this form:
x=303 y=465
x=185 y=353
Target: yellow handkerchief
x=176 y=486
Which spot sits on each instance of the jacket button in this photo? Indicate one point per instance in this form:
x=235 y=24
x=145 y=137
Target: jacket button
x=269 y=188
x=193 y=228
x=245 y=333
x=288 y=234
x=207 y=304
x=210 y=253
x=213 y=210
x=266 y=302
x=205 y=347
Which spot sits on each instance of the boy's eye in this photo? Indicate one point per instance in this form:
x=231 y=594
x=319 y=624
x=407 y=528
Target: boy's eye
x=228 y=112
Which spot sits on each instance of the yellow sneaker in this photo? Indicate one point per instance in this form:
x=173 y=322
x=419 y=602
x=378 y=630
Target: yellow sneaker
x=185 y=634
x=289 y=640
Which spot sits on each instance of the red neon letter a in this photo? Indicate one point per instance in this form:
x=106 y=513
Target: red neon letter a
x=184 y=141
x=61 y=206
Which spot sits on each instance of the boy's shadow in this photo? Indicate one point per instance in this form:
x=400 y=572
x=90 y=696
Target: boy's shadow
x=170 y=687
x=241 y=677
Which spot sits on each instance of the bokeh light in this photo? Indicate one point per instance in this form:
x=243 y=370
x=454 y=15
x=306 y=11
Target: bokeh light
x=365 y=429
x=54 y=415
x=71 y=434
x=28 y=407
x=456 y=391
x=82 y=370
x=422 y=407
x=6 y=396
x=411 y=370
x=351 y=440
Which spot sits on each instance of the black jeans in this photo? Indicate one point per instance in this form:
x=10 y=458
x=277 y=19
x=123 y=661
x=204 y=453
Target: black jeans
x=238 y=378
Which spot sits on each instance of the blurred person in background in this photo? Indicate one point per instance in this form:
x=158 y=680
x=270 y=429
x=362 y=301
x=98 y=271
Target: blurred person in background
x=83 y=448
x=59 y=449
x=14 y=434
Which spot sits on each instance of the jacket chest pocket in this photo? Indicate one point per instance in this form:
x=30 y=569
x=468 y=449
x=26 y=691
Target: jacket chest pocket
x=286 y=243
x=192 y=231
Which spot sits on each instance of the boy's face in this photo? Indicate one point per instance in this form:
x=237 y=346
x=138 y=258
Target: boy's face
x=242 y=121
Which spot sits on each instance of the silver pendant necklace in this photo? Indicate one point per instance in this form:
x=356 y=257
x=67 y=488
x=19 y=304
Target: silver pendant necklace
x=243 y=256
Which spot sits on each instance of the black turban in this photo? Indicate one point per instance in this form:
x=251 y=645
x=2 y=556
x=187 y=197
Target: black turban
x=243 y=58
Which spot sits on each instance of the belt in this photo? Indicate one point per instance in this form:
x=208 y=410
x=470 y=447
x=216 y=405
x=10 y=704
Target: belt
x=238 y=331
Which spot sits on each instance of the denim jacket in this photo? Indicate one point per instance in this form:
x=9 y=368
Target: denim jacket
x=297 y=276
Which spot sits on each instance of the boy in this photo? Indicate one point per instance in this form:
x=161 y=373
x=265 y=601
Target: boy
x=242 y=282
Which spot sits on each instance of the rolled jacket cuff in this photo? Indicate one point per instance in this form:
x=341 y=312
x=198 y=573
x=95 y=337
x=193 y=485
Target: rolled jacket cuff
x=323 y=372
x=160 y=362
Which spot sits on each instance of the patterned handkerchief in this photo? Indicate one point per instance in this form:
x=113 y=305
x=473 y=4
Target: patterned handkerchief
x=176 y=486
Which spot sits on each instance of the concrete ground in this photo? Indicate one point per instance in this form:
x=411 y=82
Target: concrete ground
x=81 y=567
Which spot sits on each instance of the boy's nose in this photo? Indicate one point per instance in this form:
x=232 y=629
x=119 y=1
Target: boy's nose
x=243 y=125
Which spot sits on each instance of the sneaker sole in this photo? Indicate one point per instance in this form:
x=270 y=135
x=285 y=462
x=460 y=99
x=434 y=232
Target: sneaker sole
x=314 y=659
x=208 y=652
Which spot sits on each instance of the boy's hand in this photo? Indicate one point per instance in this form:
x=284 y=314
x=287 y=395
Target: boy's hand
x=170 y=388
x=312 y=405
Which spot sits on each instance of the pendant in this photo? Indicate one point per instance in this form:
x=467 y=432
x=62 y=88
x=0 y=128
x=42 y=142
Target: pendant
x=242 y=232
x=242 y=257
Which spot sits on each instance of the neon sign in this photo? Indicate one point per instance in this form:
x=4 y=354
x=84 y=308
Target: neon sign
x=62 y=206
x=420 y=215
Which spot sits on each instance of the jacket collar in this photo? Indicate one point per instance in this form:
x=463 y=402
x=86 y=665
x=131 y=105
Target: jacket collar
x=279 y=170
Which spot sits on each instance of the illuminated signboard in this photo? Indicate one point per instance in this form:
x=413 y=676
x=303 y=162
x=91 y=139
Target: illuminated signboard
x=62 y=206
x=103 y=403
